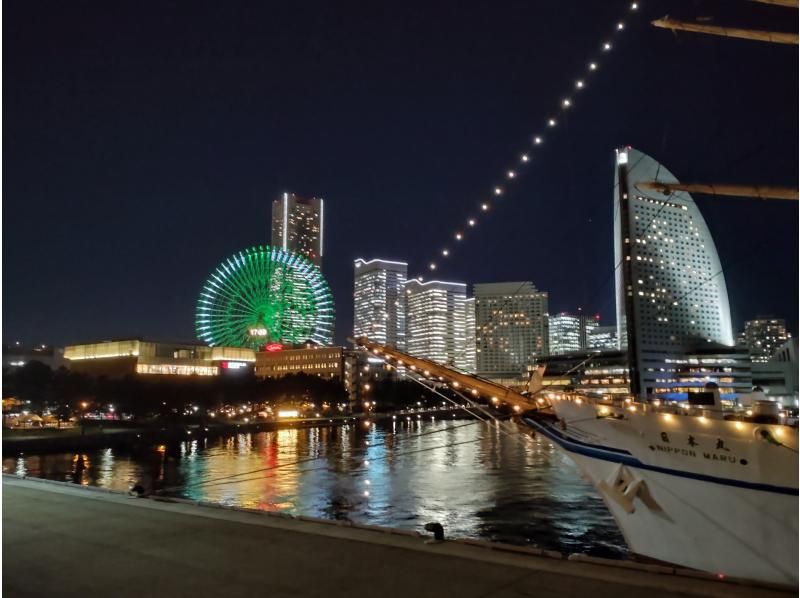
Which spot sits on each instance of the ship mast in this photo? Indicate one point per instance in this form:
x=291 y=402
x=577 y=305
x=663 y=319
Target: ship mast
x=773 y=37
x=759 y=192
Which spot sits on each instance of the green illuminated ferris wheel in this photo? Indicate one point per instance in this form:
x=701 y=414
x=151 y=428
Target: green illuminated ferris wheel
x=265 y=295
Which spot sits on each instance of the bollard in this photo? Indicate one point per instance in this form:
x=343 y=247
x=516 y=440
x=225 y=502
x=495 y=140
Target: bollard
x=437 y=530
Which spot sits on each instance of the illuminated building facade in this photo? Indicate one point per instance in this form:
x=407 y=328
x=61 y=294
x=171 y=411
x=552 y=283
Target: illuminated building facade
x=670 y=291
x=511 y=327
x=276 y=362
x=470 y=354
x=436 y=322
x=763 y=337
x=298 y=226
x=569 y=332
x=378 y=303
x=119 y=358
x=595 y=373
x=602 y=338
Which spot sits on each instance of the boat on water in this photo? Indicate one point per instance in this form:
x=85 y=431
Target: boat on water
x=697 y=487
x=700 y=486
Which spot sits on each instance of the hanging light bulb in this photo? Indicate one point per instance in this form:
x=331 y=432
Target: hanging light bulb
x=524 y=157
x=634 y=6
x=498 y=191
x=592 y=66
x=459 y=236
x=471 y=222
x=620 y=26
x=445 y=252
x=433 y=266
x=606 y=46
x=579 y=84
x=566 y=103
x=484 y=206
x=511 y=174
x=537 y=140
x=551 y=122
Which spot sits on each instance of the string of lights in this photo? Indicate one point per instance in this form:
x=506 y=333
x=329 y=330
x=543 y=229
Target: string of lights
x=525 y=158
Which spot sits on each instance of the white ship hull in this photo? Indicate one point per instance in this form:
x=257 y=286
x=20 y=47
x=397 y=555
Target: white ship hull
x=705 y=494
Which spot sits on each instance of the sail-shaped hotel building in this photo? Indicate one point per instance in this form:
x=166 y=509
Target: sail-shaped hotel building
x=673 y=315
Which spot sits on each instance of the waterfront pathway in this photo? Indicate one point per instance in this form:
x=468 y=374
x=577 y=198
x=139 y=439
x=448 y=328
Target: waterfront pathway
x=60 y=540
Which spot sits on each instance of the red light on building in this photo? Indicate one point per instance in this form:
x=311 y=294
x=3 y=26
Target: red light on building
x=274 y=347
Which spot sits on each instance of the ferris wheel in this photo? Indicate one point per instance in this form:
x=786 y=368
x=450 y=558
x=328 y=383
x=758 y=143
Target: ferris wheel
x=264 y=295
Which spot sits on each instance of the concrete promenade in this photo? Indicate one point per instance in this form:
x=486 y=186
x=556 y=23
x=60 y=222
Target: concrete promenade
x=70 y=541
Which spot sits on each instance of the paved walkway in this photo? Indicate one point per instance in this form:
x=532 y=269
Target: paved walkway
x=69 y=541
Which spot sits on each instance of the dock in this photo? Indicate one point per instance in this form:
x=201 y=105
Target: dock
x=65 y=540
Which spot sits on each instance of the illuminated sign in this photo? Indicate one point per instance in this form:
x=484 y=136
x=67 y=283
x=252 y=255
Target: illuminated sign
x=274 y=347
x=233 y=365
x=257 y=332
x=289 y=413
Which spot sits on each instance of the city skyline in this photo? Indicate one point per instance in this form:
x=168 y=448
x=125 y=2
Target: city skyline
x=132 y=223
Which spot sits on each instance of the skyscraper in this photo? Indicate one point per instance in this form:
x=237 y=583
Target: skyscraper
x=511 y=327
x=379 y=304
x=469 y=325
x=671 y=295
x=298 y=225
x=763 y=337
x=436 y=322
x=569 y=332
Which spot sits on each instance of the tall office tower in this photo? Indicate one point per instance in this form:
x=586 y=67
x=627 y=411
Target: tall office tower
x=469 y=325
x=564 y=333
x=671 y=295
x=588 y=325
x=511 y=327
x=379 y=304
x=763 y=337
x=298 y=225
x=568 y=332
x=436 y=321
x=602 y=338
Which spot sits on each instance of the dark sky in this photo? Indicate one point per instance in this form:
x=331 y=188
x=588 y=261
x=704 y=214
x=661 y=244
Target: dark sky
x=144 y=142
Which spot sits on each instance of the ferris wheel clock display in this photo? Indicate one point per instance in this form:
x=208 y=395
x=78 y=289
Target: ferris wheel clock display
x=265 y=295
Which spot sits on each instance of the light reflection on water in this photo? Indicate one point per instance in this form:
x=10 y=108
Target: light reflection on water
x=478 y=480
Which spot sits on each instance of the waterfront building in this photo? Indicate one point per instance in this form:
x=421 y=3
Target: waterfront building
x=602 y=338
x=378 y=302
x=778 y=376
x=17 y=354
x=277 y=361
x=671 y=296
x=511 y=328
x=298 y=225
x=604 y=373
x=569 y=332
x=436 y=321
x=119 y=358
x=608 y=372
x=763 y=337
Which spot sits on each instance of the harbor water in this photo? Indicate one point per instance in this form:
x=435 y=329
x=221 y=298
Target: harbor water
x=479 y=480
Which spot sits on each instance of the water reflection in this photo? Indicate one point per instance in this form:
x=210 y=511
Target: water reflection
x=480 y=480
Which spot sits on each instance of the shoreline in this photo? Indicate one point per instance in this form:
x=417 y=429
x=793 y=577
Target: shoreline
x=52 y=440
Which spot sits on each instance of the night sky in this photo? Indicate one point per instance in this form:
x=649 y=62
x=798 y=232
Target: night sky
x=144 y=142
